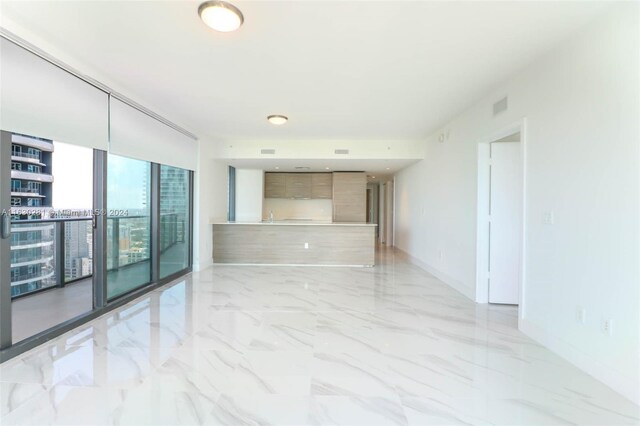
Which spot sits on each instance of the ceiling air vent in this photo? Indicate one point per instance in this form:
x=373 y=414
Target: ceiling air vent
x=341 y=151
x=500 y=106
x=302 y=168
x=268 y=151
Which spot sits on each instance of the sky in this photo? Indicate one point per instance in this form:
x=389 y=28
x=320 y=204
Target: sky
x=72 y=169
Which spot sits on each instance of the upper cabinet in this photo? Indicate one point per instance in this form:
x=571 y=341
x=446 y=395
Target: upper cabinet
x=274 y=185
x=349 y=197
x=298 y=185
x=321 y=185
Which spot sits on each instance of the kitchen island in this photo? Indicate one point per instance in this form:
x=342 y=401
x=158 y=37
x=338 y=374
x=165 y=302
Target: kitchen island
x=294 y=243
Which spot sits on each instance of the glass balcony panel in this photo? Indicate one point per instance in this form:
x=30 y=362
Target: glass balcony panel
x=33 y=254
x=129 y=226
x=174 y=220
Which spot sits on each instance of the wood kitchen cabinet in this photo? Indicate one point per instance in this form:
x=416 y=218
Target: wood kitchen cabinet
x=274 y=185
x=349 y=197
x=298 y=185
x=321 y=185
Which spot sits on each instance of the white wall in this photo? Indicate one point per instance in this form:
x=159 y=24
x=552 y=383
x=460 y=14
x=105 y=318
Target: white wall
x=581 y=106
x=249 y=192
x=284 y=209
x=210 y=204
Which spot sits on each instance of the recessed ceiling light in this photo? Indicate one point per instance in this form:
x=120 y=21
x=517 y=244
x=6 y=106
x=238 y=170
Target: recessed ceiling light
x=277 y=120
x=388 y=168
x=373 y=177
x=277 y=168
x=326 y=168
x=221 y=16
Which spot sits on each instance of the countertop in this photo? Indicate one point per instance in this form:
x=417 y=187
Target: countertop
x=297 y=223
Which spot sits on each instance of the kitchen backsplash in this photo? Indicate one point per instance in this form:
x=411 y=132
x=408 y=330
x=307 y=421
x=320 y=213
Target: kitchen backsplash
x=284 y=209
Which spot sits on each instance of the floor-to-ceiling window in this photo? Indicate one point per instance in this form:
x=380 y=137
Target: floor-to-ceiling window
x=84 y=222
x=174 y=220
x=128 y=224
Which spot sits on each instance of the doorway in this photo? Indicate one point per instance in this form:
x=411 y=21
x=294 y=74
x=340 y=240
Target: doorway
x=501 y=218
x=373 y=205
x=386 y=213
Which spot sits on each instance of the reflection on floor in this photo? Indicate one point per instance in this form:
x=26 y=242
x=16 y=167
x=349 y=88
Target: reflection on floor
x=41 y=311
x=303 y=345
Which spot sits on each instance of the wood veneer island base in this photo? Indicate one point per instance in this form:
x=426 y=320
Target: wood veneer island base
x=283 y=243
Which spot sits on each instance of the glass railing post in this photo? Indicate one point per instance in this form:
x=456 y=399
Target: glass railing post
x=115 y=244
x=59 y=254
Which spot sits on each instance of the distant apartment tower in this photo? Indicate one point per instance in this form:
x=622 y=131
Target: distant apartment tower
x=174 y=193
x=78 y=238
x=32 y=244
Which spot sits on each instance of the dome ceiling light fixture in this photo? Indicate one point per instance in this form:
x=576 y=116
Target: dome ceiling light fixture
x=221 y=16
x=277 y=120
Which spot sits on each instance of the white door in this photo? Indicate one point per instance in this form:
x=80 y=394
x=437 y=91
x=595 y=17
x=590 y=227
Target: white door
x=505 y=235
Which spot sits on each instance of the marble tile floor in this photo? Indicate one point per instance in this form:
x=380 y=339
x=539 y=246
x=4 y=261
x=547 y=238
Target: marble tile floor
x=250 y=345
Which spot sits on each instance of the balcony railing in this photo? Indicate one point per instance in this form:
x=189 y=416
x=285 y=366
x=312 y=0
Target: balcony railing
x=49 y=253
x=25 y=189
x=26 y=155
x=64 y=245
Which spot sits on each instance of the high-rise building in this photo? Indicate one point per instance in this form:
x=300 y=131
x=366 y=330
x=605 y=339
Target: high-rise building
x=78 y=237
x=174 y=191
x=32 y=244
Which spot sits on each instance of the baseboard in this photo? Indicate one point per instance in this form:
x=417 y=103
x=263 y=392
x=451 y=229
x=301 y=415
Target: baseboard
x=200 y=266
x=450 y=281
x=624 y=385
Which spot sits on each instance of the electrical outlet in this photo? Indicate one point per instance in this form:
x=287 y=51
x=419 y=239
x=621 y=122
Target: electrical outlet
x=548 y=218
x=607 y=327
x=581 y=315
x=306 y=245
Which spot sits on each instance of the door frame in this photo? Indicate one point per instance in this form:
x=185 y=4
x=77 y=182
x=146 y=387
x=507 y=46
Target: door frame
x=483 y=199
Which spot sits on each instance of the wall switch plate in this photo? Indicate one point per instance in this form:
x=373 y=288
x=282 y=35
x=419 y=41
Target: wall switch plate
x=607 y=327
x=581 y=315
x=548 y=218
x=306 y=245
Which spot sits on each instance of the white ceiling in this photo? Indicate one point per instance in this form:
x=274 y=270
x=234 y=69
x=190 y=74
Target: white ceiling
x=338 y=69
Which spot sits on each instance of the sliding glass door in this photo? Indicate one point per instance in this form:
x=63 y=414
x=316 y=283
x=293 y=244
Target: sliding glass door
x=174 y=220
x=50 y=235
x=47 y=252
x=128 y=225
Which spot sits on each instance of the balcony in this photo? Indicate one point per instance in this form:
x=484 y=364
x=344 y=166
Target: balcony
x=52 y=265
x=26 y=190
x=41 y=144
x=25 y=157
x=36 y=177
